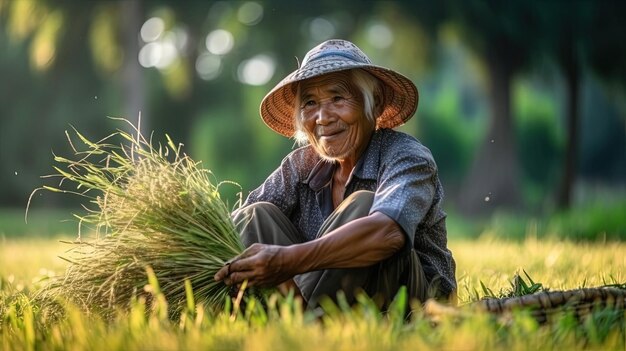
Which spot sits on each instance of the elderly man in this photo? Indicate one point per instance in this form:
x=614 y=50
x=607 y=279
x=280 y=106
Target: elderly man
x=358 y=207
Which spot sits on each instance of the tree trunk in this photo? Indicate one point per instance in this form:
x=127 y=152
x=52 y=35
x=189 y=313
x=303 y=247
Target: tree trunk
x=572 y=80
x=493 y=180
x=132 y=74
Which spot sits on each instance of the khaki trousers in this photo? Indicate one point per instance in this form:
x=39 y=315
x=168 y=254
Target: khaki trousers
x=264 y=223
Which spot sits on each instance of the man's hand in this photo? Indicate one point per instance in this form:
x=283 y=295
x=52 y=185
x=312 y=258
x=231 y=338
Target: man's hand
x=262 y=265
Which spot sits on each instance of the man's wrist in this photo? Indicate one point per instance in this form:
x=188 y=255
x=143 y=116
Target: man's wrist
x=294 y=257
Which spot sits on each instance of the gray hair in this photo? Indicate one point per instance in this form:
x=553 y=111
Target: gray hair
x=367 y=84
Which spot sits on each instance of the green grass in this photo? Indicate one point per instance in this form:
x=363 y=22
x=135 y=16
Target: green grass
x=568 y=250
x=283 y=325
x=601 y=219
x=41 y=222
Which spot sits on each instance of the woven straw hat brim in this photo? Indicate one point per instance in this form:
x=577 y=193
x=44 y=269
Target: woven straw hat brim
x=401 y=95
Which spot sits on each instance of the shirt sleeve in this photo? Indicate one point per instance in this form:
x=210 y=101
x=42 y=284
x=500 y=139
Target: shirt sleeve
x=406 y=186
x=279 y=188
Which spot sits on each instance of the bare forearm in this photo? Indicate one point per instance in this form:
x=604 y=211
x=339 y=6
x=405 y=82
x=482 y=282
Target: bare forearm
x=359 y=243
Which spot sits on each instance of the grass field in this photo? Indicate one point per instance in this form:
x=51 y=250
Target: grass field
x=558 y=265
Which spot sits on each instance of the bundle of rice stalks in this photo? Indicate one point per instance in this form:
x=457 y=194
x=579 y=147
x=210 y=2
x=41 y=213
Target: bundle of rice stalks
x=151 y=208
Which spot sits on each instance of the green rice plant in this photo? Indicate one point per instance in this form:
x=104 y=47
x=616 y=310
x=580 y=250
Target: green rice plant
x=519 y=287
x=150 y=207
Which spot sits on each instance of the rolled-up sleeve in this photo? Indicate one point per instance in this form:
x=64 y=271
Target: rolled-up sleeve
x=406 y=188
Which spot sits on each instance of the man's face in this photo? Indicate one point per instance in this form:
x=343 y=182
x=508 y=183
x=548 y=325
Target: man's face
x=331 y=111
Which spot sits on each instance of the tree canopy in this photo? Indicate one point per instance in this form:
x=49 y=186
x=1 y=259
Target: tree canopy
x=496 y=80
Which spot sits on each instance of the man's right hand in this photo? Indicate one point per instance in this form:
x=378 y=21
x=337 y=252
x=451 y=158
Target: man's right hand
x=260 y=264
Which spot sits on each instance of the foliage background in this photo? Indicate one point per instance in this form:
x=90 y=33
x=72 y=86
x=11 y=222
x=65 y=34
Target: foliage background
x=495 y=80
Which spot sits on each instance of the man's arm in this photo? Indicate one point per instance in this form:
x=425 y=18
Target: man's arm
x=360 y=243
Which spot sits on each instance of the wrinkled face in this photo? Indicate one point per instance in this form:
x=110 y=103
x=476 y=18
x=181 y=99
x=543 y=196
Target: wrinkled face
x=331 y=112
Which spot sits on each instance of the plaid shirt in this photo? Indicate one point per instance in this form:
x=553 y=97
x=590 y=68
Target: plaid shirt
x=403 y=176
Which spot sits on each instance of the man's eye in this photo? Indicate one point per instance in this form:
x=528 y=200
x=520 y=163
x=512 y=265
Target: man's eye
x=309 y=104
x=338 y=99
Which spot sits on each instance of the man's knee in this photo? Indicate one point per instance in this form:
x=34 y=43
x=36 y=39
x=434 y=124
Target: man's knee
x=244 y=214
x=359 y=201
x=264 y=222
x=361 y=196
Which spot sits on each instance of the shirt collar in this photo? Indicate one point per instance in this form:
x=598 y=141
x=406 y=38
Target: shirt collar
x=322 y=172
x=320 y=175
x=367 y=166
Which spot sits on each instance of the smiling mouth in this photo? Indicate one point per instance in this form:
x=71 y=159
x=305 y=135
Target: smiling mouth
x=330 y=134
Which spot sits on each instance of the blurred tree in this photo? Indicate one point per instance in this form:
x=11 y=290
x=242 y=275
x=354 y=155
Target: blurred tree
x=580 y=36
x=565 y=39
x=132 y=82
x=50 y=81
x=605 y=54
x=503 y=33
x=568 y=27
x=540 y=140
x=68 y=62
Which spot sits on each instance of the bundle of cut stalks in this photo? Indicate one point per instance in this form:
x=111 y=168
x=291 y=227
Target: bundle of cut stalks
x=540 y=305
x=151 y=208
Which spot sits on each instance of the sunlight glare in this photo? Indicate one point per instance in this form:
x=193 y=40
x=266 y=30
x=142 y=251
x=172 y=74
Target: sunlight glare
x=164 y=50
x=380 y=35
x=208 y=66
x=321 y=29
x=169 y=53
x=152 y=29
x=220 y=42
x=150 y=54
x=250 y=13
x=181 y=38
x=256 y=71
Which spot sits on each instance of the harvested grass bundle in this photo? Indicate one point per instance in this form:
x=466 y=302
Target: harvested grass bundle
x=151 y=209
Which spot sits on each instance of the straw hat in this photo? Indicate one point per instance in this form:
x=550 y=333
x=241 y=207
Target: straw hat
x=400 y=94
